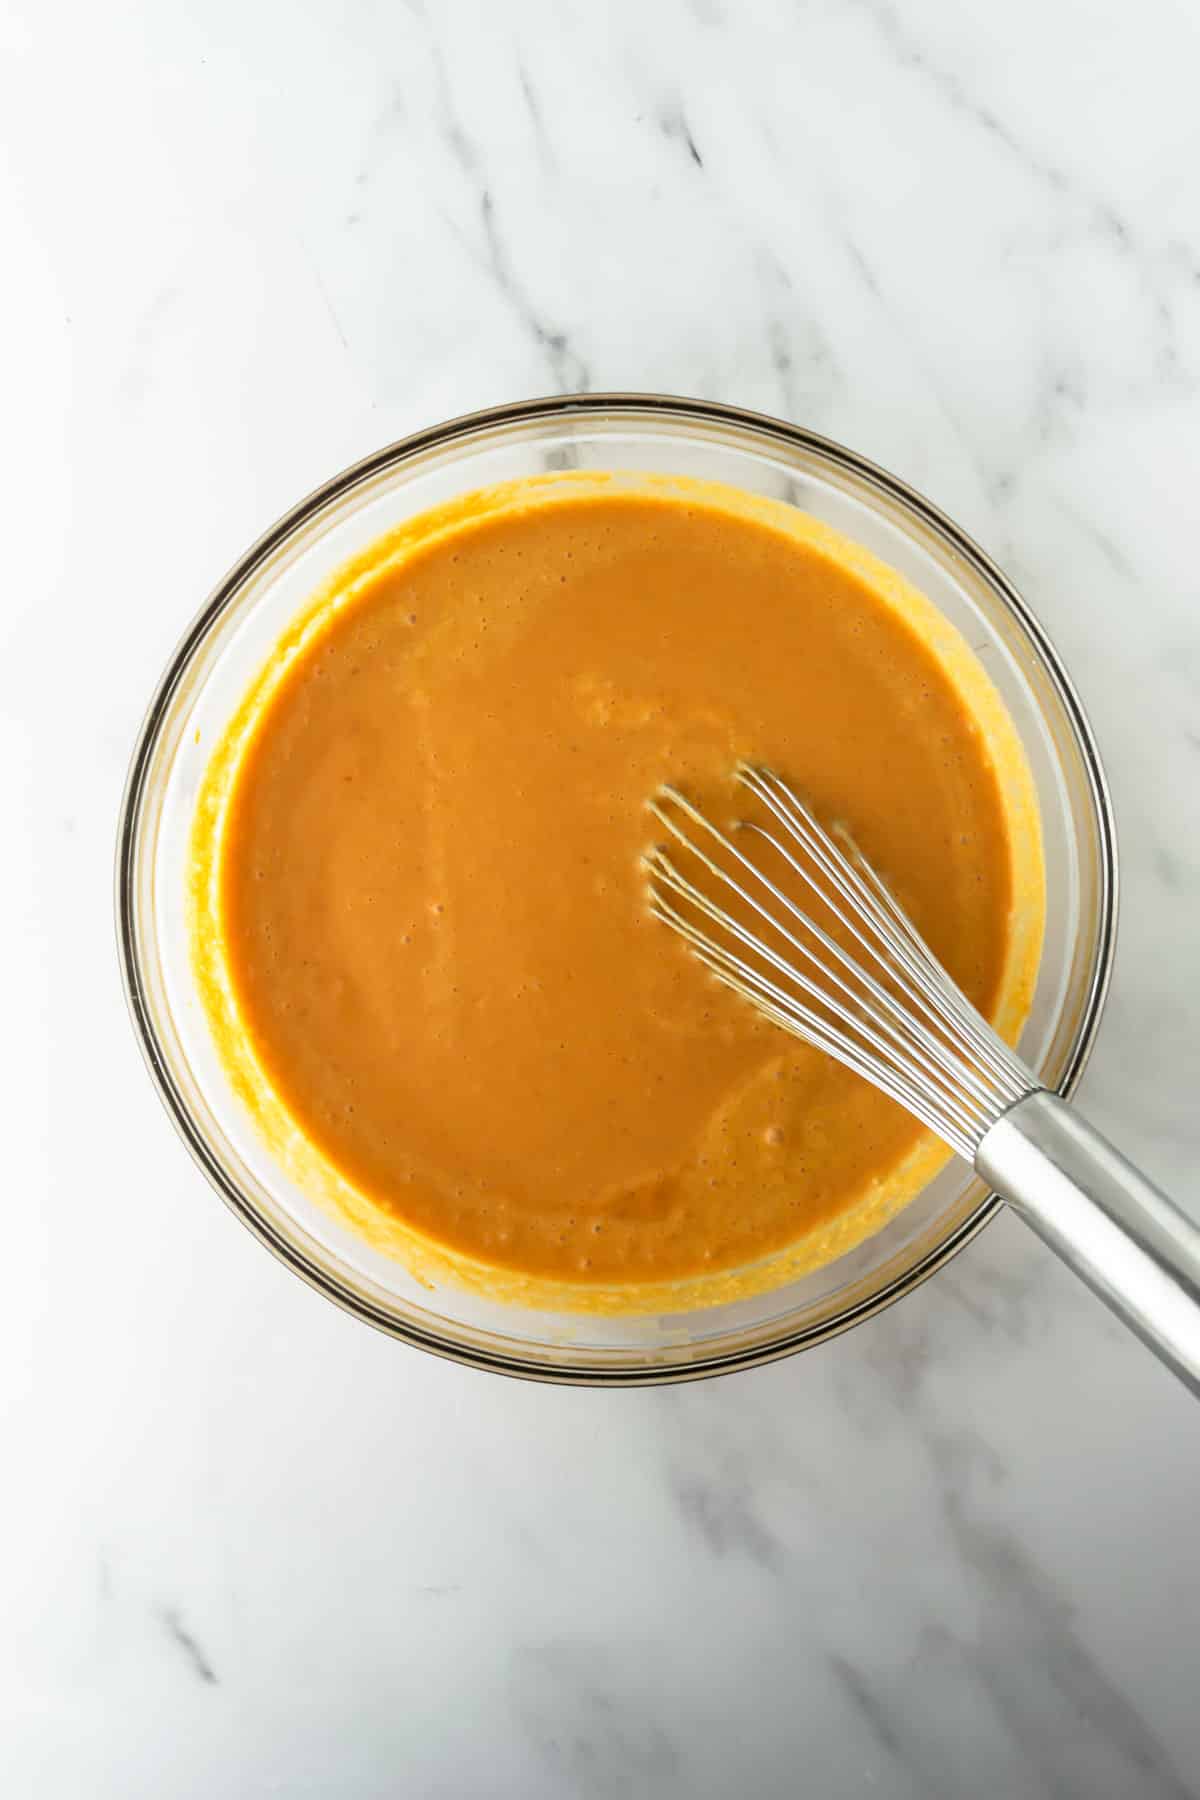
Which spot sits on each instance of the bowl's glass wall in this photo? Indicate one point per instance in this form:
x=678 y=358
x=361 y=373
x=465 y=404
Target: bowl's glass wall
x=236 y=633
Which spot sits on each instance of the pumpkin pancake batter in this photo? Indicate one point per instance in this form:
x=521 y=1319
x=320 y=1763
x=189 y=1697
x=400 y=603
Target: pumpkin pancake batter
x=420 y=921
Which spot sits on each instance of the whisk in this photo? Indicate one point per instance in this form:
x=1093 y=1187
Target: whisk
x=881 y=1003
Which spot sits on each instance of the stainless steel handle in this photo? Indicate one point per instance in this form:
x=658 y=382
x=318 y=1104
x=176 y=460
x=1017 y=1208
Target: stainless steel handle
x=1130 y=1243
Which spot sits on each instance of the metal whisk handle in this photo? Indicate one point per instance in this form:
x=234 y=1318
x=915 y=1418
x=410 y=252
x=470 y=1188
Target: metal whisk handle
x=1118 y=1231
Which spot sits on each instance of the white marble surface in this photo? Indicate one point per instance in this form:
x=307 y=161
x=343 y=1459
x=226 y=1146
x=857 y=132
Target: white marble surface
x=249 y=1547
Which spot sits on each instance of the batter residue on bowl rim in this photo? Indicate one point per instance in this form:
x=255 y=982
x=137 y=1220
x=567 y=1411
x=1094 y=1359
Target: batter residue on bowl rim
x=418 y=918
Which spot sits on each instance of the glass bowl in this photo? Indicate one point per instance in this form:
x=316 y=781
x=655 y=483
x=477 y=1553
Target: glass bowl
x=238 y=627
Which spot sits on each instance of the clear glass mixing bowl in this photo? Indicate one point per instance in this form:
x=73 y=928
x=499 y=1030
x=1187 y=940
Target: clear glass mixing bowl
x=236 y=630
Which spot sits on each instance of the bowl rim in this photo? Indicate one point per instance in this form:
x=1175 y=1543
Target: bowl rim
x=548 y=408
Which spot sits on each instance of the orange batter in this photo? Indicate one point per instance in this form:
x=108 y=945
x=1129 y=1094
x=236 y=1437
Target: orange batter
x=421 y=923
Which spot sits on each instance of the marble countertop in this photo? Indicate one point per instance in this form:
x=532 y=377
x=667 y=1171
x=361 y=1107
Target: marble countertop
x=249 y=1547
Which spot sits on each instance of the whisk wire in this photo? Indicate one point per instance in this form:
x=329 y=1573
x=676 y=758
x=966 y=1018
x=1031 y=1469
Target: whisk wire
x=871 y=895
x=952 y=1003
x=917 y=1038
x=783 y=1009
x=893 y=1027
x=908 y=1034
x=939 y=1057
